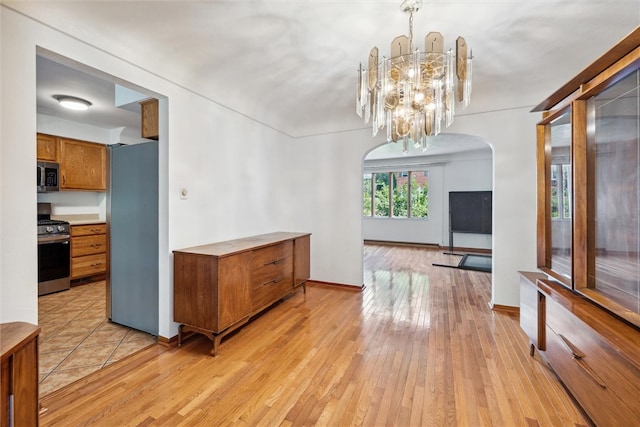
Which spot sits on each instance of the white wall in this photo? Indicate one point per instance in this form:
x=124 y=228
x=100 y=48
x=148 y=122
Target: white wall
x=329 y=181
x=511 y=134
x=235 y=169
x=465 y=171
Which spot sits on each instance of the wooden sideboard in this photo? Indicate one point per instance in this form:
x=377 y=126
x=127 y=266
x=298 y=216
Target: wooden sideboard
x=19 y=374
x=592 y=352
x=218 y=287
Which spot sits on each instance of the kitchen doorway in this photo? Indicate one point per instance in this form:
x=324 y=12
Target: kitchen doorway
x=77 y=335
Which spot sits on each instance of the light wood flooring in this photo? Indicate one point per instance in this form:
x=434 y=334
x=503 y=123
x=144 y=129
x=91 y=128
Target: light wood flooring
x=418 y=347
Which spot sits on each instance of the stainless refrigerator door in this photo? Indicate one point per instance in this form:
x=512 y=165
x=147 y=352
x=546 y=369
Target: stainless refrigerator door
x=132 y=215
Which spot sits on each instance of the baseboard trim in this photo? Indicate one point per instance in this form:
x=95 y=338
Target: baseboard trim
x=168 y=342
x=435 y=246
x=352 y=288
x=505 y=309
x=408 y=244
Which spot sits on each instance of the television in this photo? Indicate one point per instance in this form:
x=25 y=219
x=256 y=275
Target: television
x=470 y=212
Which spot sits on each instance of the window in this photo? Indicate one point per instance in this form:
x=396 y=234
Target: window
x=397 y=195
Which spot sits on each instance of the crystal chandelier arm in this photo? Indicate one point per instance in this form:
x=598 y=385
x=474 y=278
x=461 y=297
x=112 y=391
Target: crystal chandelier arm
x=461 y=65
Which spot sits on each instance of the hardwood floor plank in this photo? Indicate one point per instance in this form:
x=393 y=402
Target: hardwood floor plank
x=419 y=346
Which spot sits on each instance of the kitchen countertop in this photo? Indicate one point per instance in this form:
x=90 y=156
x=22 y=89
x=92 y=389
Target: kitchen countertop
x=80 y=219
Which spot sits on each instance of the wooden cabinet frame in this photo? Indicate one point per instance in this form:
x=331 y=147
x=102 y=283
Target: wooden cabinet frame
x=605 y=72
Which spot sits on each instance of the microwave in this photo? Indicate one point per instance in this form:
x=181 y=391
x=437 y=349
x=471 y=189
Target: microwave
x=47 y=176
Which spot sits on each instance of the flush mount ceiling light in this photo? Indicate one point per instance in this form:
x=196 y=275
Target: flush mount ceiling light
x=413 y=92
x=72 y=102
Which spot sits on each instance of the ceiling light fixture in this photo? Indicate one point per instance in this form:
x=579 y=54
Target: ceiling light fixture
x=413 y=93
x=72 y=102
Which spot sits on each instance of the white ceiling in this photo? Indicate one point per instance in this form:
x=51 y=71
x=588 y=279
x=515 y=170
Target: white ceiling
x=291 y=65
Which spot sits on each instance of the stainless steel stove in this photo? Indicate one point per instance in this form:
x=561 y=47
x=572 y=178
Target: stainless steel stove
x=54 y=254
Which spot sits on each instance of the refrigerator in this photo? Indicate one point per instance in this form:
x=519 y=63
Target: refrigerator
x=132 y=224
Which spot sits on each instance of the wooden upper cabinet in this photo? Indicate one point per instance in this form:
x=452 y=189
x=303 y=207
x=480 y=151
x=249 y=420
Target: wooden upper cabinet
x=149 y=116
x=47 y=147
x=82 y=165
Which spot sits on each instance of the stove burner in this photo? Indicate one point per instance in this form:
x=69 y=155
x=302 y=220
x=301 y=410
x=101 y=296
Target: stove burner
x=53 y=227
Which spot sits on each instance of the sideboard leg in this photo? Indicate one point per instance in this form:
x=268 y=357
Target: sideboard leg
x=216 y=342
x=180 y=335
x=532 y=350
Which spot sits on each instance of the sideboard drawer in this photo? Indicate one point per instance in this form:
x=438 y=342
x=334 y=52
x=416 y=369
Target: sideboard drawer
x=272 y=255
x=271 y=291
x=272 y=272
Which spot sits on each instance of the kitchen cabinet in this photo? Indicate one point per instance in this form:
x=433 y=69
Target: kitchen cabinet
x=218 y=287
x=149 y=117
x=19 y=374
x=47 y=147
x=88 y=250
x=82 y=165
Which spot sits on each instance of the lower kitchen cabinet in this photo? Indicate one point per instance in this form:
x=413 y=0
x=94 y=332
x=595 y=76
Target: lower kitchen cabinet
x=19 y=374
x=88 y=250
x=219 y=287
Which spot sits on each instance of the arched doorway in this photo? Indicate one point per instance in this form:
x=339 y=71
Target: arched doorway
x=452 y=163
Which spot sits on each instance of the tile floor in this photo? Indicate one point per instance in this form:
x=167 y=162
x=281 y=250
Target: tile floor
x=76 y=338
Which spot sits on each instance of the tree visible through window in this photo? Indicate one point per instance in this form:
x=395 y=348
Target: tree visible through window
x=403 y=194
x=561 y=191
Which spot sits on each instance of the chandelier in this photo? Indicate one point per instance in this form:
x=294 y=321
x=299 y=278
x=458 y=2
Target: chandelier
x=413 y=93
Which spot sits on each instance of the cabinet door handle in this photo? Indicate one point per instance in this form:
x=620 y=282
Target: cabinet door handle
x=96 y=245
x=97 y=264
x=578 y=357
x=275 y=261
x=575 y=351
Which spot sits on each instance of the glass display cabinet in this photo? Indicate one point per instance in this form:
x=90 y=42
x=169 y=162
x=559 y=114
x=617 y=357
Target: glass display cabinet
x=581 y=310
x=589 y=189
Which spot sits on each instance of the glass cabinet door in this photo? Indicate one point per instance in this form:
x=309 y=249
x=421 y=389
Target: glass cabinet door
x=613 y=161
x=557 y=200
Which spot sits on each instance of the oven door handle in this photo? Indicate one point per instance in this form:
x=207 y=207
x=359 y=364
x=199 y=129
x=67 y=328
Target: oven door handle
x=64 y=239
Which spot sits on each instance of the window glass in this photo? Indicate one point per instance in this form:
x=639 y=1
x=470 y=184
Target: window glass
x=367 y=200
x=419 y=194
x=381 y=194
x=400 y=194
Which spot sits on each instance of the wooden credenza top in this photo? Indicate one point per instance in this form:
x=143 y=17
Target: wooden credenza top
x=14 y=335
x=230 y=247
